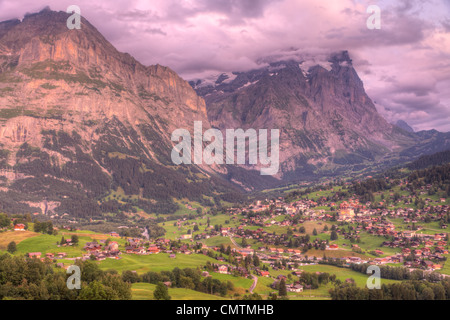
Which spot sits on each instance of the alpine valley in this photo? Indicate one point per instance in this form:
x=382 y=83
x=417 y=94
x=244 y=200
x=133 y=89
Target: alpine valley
x=86 y=130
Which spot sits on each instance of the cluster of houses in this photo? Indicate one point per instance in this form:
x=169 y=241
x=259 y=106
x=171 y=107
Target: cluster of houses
x=51 y=256
x=417 y=250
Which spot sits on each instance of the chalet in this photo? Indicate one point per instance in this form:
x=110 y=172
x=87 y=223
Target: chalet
x=436 y=266
x=295 y=288
x=140 y=250
x=245 y=252
x=428 y=243
x=36 y=255
x=113 y=254
x=99 y=256
x=163 y=241
x=153 y=250
x=281 y=276
x=264 y=273
x=114 y=234
x=223 y=269
x=356 y=260
x=349 y=280
x=397 y=259
x=92 y=246
x=426 y=250
x=380 y=261
x=112 y=246
x=408 y=234
x=61 y=255
x=437 y=237
x=19 y=227
x=275 y=284
x=50 y=255
x=333 y=247
x=134 y=242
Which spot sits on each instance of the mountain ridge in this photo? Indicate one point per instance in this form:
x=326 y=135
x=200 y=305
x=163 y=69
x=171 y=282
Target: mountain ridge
x=82 y=122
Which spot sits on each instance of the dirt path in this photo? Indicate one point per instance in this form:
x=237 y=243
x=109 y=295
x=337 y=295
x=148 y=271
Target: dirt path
x=235 y=243
x=255 y=282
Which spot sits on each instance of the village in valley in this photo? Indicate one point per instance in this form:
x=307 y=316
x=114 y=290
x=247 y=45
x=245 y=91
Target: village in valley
x=297 y=246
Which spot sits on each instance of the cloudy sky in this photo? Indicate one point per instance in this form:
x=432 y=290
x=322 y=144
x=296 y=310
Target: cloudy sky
x=405 y=65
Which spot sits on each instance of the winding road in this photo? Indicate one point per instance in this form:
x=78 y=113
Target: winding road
x=235 y=243
x=255 y=282
x=255 y=278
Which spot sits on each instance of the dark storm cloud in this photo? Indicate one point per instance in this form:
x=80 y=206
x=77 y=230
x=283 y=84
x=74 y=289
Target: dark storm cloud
x=236 y=8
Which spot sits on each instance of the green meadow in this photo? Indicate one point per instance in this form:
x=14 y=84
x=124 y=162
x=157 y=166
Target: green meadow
x=144 y=291
x=343 y=274
x=155 y=262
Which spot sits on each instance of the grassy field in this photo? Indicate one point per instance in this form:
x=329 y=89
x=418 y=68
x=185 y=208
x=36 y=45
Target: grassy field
x=318 y=225
x=16 y=236
x=154 y=262
x=241 y=285
x=343 y=274
x=218 y=240
x=333 y=253
x=263 y=287
x=175 y=232
x=144 y=291
x=446 y=267
x=44 y=243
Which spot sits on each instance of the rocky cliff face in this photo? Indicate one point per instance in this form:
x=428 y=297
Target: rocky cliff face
x=82 y=122
x=326 y=119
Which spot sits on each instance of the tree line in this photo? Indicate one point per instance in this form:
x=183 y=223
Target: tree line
x=406 y=290
x=32 y=279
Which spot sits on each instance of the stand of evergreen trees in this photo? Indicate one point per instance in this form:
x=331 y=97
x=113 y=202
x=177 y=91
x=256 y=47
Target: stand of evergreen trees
x=406 y=290
x=187 y=278
x=31 y=279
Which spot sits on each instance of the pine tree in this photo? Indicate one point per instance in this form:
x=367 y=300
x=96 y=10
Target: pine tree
x=161 y=292
x=12 y=247
x=75 y=239
x=282 y=291
x=334 y=235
